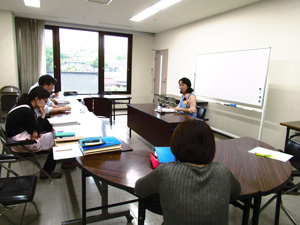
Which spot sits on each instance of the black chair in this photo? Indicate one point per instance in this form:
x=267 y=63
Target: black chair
x=201 y=113
x=15 y=191
x=27 y=156
x=114 y=101
x=291 y=188
x=7 y=159
x=69 y=93
x=89 y=103
x=103 y=107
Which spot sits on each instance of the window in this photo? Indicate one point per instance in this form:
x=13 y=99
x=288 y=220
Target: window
x=87 y=61
x=116 y=63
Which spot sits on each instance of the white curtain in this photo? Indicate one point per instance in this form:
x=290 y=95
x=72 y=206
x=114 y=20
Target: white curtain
x=29 y=38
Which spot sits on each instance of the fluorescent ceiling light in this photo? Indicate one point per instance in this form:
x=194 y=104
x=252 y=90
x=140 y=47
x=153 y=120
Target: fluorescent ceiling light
x=158 y=6
x=105 y=2
x=32 y=3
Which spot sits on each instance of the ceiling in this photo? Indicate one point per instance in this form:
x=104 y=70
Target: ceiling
x=116 y=15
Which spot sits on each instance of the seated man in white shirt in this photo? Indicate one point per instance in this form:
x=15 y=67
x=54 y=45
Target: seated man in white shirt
x=48 y=82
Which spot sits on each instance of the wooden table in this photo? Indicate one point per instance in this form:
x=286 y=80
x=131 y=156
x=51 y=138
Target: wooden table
x=295 y=125
x=155 y=127
x=258 y=176
x=89 y=126
x=112 y=98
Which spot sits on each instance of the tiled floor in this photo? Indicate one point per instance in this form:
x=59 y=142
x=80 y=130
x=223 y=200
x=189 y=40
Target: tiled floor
x=58 y=202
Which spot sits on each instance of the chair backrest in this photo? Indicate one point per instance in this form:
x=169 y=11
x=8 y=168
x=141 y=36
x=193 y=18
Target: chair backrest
x=89 y=103
x=102 y=107
x=201 y=112
x=293 y=148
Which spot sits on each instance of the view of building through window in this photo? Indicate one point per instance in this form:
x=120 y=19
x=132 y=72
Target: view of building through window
x=79 y=60
x=115 y=56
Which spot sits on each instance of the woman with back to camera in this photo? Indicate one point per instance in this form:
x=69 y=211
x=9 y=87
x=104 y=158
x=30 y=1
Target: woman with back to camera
x=188 y=100
x=193 y=190
x=23 y=124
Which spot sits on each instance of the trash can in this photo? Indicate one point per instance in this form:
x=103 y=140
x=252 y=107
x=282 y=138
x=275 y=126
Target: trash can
x=9 y=95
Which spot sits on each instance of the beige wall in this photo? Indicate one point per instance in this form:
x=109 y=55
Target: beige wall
x=8 y=63
x=270 y=23
x=142 y=59
x=142 y=68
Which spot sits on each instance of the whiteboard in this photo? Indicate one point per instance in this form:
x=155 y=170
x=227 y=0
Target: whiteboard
x=237 y=76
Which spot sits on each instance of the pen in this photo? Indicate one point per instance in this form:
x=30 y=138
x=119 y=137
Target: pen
x=62 y=150
x=263 y=155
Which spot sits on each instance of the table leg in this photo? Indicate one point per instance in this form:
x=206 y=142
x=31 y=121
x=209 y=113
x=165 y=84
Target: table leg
x=246 y=211
x=142 y=212
x=104 y=215
x=256 y=210
x=103 y=189
x=277 y=211
x=83 y=183
x=287 y=136
x=114 y=104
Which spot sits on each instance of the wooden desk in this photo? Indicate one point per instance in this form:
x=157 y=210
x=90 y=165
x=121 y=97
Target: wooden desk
x=89 y=126
x=111 y=98
x=295 y=125
x=258 y=176
x=155 y=127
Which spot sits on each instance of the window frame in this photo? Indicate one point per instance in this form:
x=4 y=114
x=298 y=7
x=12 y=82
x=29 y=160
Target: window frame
x=101 y=67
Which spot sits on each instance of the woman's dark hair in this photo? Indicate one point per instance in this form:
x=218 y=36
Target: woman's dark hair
x=39 y=92
x=47 y=79
x=193 y=141
x=188 y=83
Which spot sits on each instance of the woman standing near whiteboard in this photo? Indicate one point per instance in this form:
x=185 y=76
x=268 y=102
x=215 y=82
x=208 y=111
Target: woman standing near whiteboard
x=188 y=100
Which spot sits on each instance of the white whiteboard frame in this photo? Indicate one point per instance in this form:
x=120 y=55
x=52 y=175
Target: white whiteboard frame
x=234 y=76
x=262 y=105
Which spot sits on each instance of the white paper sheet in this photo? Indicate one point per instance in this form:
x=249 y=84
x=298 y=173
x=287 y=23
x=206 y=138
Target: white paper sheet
x=166 y=110
x=271 y=154
x=66 y=151
x=63 y=121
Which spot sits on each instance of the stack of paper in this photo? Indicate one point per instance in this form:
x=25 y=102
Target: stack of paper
x=63 y=121
x=166 y=110
x=67 y=140
x=96 y=145
x=62 y=101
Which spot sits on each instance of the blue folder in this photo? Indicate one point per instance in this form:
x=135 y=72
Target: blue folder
x=164 y=154
x=107 y=141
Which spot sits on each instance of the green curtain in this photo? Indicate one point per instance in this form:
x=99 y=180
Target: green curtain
x=29 y=39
